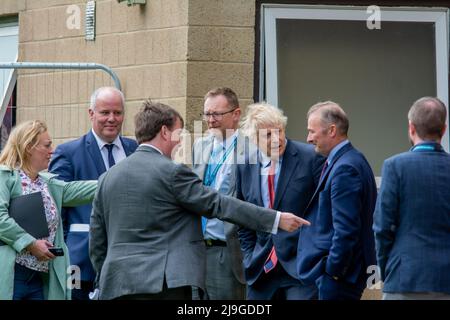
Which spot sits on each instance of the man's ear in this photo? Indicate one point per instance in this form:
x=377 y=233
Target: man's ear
x=332 y=130
x=237 y=113
x=411 y=129
x=164 y=132
x=443 y=130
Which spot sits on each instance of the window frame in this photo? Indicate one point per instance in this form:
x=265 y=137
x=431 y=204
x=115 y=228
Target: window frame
x=270 y=13
x=8 y=28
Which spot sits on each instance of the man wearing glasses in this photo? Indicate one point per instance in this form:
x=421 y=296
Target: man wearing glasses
x=214 y=161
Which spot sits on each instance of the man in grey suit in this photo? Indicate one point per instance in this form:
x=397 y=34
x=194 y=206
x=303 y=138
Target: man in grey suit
x=214 y=161
x=146 y=239
x=412 y=215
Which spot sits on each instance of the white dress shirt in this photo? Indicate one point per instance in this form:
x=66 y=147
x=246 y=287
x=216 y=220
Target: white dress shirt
x=117 y=151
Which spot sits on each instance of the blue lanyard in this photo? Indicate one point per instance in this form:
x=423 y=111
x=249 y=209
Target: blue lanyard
x=211 y=176
x=427 y=147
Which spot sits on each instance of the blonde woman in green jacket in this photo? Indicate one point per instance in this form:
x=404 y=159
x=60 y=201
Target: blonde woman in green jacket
x=28 y=270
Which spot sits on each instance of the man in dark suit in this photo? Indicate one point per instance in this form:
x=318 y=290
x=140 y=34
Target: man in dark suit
x=86 y=159
x=214 y=161
x=146 y=234
x=412 y=216
x=337 y=249
x=296 y=170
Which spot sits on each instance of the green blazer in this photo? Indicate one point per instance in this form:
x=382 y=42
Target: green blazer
x=68 y=194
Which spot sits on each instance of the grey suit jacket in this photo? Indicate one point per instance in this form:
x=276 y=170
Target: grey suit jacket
x=201 y=152
x=146 y=226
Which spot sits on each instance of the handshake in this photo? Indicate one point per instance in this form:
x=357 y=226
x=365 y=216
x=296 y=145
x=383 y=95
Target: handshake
x=290 y=222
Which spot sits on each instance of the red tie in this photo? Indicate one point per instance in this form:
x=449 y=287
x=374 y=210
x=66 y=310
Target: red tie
x=271 y=184
x=272 y=259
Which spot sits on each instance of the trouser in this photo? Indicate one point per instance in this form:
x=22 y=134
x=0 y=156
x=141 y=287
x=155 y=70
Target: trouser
x=221 y=283
x=279 y=285
x=28 y=284
x=83 y=293
x=179 y=293
x=331 y=289
x=416 y=296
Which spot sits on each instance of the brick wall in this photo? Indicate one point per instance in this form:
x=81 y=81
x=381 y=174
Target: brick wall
x=145 y=45
x=220 y=50
x=173 y=51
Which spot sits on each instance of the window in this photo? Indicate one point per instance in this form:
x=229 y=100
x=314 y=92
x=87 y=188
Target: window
x=9 y=31
x=318 y=53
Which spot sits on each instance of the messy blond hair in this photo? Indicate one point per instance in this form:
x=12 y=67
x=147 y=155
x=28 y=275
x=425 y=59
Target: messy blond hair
x=260 y=114
x=22 y=139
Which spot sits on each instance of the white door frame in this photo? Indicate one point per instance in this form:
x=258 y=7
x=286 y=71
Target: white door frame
x=272 y=12
x=9 y=30
x=11 y=75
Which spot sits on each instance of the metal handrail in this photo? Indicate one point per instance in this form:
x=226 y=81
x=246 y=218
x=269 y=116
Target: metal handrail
x=62 y=65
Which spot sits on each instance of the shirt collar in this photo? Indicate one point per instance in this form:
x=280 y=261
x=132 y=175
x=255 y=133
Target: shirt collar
x=335 y=150
x=28 y=180
x=102 y=143
x=427 y=146
x=265 y=160
x=151 y=146
x=226 y=143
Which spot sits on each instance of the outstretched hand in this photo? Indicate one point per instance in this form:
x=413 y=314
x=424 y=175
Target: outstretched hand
x=290 y=222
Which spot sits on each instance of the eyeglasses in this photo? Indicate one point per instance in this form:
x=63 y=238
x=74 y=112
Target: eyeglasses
x=215 y=115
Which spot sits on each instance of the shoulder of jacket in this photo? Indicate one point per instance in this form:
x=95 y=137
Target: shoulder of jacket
x=72 y=145
x=305 y=148
x=50 y=178
x=4 y=168
x=129 y=141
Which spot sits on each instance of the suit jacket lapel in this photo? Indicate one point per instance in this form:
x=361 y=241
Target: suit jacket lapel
x=126 y=148
x=288 y=167
x=324 y=177
x=255 y=180
x=94 y=151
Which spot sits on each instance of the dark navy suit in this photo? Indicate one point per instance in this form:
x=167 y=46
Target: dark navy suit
x=412 y=221
x=81 y=160
x=340 y=242
x=299 y=174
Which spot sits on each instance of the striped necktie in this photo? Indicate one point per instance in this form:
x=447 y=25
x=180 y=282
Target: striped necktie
x=272 y=259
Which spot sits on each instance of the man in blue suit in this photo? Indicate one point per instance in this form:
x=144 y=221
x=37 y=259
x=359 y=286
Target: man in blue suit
x=412 y=216
x=86 y=159
x=336 y=250
x=282 y=175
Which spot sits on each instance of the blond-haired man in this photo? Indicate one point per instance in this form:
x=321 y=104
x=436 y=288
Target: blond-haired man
x=282 y=174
